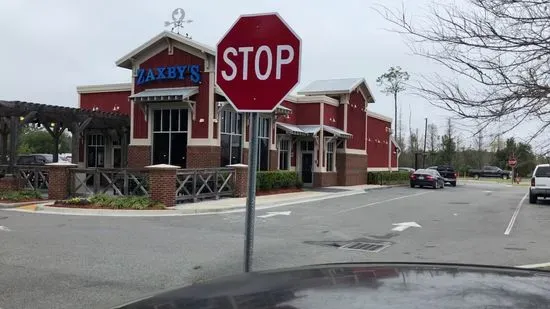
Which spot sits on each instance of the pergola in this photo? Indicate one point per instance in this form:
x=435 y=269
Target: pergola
x=57 y=119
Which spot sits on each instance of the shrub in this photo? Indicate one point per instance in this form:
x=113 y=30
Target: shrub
x=267 y=180
x=123 y=202
x=387 y=178
x=17 y=196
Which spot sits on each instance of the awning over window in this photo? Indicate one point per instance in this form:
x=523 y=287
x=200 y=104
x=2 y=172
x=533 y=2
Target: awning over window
x=290 y=129
x=311 y=130
x=165 y=94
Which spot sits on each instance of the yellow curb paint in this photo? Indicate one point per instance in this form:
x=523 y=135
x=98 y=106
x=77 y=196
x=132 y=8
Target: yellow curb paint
x=28 y=207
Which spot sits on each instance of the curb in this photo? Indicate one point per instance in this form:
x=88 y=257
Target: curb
x=45 y=208
x=535 y=266
x=20 y=204
x=385 y=187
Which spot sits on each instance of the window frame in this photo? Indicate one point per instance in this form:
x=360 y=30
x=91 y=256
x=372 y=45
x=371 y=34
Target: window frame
x=330 y=155
x=160 y=128
x=285 y=152
x=235 y=130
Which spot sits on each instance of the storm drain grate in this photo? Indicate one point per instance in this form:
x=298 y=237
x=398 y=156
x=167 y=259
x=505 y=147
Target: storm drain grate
x=366 y=246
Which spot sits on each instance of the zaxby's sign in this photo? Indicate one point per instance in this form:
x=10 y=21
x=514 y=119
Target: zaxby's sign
x=179 y=72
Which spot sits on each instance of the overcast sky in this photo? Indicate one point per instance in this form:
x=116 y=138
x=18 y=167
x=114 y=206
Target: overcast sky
x=50 y=47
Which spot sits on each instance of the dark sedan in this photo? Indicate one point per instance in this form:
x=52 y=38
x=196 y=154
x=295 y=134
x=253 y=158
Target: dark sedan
x=427 y=178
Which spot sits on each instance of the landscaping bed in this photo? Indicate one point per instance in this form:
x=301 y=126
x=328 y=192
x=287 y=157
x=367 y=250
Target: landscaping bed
x=20 y=196
x=111 y=202
x=278 y=191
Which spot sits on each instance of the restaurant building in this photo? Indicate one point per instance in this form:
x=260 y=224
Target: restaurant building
x=178 y=116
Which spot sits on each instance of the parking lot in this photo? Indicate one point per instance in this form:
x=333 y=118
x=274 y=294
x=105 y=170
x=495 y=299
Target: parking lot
x=77 y=261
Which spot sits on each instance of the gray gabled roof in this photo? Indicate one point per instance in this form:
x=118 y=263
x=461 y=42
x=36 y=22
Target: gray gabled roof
x=126 y=63
x=336 y=86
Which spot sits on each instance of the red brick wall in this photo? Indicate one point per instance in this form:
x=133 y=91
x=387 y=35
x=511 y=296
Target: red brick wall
x=160 y=189
x=241 y=181
x=356 y=121
x=139 y=156
x=58 y=182
x=351 y=169
x=203 y=156
x=106 y=101
x=325 y=179
x=10 y=184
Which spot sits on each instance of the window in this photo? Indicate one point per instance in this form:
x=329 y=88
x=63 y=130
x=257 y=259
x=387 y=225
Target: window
x=170 y=136
x=231 y=138
x=330 y=157
x=263 y=144
x=284 y=154
x=117 y=153
x=307 y=146
x=95 y=155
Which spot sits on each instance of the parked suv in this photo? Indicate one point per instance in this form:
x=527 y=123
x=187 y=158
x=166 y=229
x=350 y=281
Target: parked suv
x=447 y=171
x=540 y=183
x=34 y=159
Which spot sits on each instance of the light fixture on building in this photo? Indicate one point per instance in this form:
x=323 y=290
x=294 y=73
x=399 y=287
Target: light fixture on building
x=116 y=108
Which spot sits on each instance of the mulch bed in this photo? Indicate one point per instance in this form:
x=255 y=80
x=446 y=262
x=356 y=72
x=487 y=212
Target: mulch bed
x=278 y=191
x=95 y=206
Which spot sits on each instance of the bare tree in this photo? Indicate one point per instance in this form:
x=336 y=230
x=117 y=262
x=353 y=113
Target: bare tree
x=500 y=51
x=393 y=82
x=432 y=137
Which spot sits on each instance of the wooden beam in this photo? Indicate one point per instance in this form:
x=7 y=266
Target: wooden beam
x=28 y=118
x=14 y=130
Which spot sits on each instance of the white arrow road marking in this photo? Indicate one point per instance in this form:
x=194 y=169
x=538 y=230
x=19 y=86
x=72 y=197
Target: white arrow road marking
x=275 y=213
x=4 y=228
x=400 y=227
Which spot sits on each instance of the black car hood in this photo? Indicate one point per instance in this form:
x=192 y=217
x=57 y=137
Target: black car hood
x=359 y=286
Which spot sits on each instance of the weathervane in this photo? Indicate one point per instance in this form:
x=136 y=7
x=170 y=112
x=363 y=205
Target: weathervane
x=178 y=20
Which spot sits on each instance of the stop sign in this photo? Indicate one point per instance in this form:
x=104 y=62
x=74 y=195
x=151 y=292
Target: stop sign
x=512 y=162
x=258 y=62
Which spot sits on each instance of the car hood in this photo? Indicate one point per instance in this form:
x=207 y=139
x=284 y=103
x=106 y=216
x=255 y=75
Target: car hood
x=371 y=285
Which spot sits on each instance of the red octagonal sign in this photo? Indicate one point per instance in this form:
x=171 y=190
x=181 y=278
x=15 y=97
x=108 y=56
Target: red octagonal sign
x=258 y=62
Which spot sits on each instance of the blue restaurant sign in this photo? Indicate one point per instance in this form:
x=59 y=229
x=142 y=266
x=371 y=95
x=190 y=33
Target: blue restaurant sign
x=179 y=72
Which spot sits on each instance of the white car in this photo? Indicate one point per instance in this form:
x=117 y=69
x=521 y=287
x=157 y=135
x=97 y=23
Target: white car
x=540 y=183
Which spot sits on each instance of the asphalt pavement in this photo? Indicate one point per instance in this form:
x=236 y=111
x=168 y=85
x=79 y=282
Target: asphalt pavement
x=57 y=261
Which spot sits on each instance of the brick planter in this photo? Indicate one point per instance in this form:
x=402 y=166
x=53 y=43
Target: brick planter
x=241 y=179
x=162 y=179
x=59 y=180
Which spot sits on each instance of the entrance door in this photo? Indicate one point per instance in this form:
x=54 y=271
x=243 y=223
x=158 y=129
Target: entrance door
x=307 y=165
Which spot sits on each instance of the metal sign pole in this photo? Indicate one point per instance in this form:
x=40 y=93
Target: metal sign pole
x=251 y=196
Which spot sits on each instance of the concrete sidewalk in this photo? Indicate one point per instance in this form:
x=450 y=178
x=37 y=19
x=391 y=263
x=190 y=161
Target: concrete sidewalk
x=210 y=206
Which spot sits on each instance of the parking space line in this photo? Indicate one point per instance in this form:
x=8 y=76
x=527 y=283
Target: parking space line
x=381 y=202
x=515 y=215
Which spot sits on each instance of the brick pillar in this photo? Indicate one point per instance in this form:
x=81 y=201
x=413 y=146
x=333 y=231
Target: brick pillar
x=162 y=183
x=241 y=179
x=10 y=183
x=59 y=180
